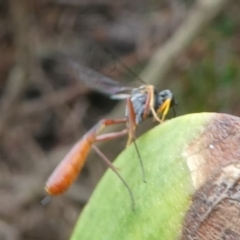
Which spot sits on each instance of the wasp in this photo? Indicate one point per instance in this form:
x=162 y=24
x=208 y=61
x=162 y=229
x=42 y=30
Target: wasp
x=141 y=103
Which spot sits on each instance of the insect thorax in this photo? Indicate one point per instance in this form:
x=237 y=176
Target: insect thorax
x=139 y=97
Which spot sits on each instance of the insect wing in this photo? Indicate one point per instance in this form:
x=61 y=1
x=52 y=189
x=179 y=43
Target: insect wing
x=97 y=81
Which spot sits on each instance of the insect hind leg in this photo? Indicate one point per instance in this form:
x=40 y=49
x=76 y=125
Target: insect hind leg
x=114 y=169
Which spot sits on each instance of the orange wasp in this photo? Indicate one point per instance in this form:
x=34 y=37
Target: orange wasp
x=141 y=103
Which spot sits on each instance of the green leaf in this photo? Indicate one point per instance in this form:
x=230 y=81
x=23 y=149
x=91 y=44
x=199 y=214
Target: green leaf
x=161 y=202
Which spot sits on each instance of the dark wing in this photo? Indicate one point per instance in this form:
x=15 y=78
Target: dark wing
x=97 y=81
x=63 y=69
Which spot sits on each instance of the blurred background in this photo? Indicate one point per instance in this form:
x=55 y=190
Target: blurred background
x=191 y=47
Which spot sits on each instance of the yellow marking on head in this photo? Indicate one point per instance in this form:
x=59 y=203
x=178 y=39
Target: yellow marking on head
x=164 y=108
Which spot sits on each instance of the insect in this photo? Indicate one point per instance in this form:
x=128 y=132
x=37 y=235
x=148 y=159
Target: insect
x=141 y=103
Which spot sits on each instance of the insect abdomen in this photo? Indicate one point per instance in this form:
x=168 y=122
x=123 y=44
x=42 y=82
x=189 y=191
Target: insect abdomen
x=67 y=171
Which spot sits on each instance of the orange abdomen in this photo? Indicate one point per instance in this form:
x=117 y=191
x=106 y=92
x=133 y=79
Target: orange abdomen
x=67 y=170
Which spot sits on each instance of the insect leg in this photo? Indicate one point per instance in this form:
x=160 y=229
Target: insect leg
x=131 y=124
x=108 y=162
x=109 y=136
x=150 y=103
x=164 y=108
x=69 y=168
x=147 y=104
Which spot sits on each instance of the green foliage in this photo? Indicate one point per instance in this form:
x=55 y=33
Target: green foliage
x=225 y=25
x=209 y=80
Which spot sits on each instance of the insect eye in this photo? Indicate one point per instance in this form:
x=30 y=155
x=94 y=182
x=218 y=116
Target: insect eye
x=166 y=94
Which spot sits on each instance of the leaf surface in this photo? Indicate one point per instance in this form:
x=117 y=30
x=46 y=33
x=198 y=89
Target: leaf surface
x=169 y=152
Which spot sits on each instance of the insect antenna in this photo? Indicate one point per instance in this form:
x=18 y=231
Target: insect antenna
x=174 y=105
x=108 y=162
x=112 y=53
